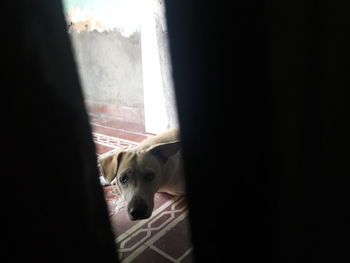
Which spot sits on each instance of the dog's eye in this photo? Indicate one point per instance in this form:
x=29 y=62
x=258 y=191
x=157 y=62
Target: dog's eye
x=149 y=177
x=124 y=178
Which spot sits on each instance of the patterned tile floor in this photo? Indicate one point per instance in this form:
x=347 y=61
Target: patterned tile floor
x=165 y=236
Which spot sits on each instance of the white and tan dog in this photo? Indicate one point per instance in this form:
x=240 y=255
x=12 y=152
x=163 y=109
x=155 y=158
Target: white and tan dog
x=153 y=166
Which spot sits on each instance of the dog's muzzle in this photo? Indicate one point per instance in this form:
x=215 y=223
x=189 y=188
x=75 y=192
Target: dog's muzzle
x=138 y=210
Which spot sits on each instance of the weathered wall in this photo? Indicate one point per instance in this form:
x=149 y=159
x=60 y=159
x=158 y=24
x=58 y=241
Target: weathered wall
x=110 y=61
x=110 y=69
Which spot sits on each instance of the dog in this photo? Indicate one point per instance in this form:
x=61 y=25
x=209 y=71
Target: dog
x=155 y=165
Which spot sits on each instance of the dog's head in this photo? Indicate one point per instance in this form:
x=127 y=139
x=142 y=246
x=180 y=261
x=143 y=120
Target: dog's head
x=138 y=173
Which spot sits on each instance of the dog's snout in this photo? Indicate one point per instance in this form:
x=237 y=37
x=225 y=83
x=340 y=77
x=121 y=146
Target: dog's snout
x=138 y=210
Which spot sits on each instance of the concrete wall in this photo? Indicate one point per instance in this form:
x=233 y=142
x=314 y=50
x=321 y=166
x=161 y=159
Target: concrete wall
x=110 y=69
x=110 y=61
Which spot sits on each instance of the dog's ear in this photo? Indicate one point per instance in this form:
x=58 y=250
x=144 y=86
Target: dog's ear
x=164 y=150
x=109 y=165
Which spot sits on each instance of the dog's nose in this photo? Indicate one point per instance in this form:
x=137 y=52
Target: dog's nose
x=138 y=210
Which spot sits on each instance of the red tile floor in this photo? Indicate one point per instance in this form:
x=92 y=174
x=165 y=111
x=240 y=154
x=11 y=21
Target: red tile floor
x=165 y=236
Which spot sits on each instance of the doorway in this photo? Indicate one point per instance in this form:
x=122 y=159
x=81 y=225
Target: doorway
x=122 y=54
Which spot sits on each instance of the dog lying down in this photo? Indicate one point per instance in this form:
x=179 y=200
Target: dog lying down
x=153 y=166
